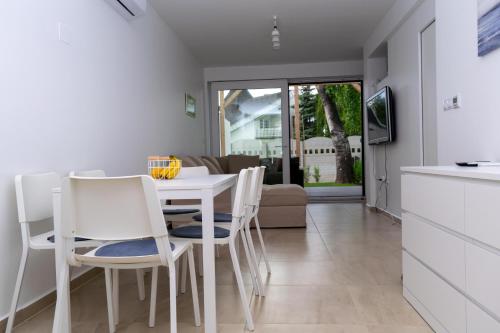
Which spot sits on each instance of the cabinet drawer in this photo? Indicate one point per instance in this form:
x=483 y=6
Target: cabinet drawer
x=438 y=199
x=482 y=212
x=483 y=277
x=479 y=321
x=445 y=303
x=438 y=249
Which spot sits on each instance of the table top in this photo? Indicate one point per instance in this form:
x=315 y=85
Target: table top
x=195 y=183
x=481 y=172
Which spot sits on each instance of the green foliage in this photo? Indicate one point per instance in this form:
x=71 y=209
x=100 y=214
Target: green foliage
x=357 y=171
x=348 y=101
x=307 y=104
x=307 y=173
x=316 y=174
x=321 y=126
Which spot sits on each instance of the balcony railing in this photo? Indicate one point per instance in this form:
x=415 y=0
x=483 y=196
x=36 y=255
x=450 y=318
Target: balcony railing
x=268 y=133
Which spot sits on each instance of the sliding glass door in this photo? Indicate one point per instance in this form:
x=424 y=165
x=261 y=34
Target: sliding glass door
x=247 y=119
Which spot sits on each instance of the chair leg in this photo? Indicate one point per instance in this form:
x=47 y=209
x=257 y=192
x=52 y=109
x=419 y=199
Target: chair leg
x=184 y=264
x=173 y=298
x=241 y=286
x=255 y=261
x=63 y=302
x=217 y=251
x=256 y=288
x=177 y=277
x=262 y=246
x=109 y=298
x=199 y=254
x=17 y=289
x=154 y=290
x=116 y=295
x=194 y=287
x=140 y=284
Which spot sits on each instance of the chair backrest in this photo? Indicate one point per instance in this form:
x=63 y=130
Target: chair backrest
x=261 y=182
x=256 y=185
x=88 y=173
x=114 y=208
x=190 y=172
x=252 y=196
x=34 y=195
x=240 y=209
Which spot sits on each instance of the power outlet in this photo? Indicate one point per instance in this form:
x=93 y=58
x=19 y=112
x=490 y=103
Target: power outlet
x=454 y=102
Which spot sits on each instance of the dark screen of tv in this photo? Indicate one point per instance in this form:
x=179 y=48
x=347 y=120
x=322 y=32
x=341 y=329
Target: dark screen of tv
x=380 y=115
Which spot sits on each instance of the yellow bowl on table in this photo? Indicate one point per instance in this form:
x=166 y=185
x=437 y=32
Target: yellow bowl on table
x=164 y=167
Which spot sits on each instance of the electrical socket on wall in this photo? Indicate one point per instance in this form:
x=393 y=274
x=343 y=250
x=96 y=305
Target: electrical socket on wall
x=452 y=103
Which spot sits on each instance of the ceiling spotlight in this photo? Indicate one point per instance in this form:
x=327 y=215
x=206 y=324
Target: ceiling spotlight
x=275 y=34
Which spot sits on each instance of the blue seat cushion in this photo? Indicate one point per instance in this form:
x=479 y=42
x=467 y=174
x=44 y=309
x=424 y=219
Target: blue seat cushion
x=218 y=217
x=196 y=231
x=77 y=239
x=167 y=211
x=131 y=248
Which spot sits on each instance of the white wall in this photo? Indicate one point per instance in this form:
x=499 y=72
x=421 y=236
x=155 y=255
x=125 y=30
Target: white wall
x=287 y=71
x=472 y=132
x=107 y=100
x=402 y=37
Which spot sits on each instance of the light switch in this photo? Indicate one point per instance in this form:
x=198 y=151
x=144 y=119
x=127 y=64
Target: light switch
x=64 y=33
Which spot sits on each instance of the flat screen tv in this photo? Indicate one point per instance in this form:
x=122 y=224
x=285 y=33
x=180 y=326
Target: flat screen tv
x=380 y=114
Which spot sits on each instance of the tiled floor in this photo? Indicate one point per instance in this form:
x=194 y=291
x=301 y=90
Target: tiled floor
x=341 y=274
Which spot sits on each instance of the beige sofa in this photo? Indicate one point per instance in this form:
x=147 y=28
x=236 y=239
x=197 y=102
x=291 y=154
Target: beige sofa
x=282 y=205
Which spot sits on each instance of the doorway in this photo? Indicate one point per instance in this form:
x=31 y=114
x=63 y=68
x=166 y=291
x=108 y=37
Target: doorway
x=326 y=137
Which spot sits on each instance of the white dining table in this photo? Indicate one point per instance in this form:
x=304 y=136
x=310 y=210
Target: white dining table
x=204 y=188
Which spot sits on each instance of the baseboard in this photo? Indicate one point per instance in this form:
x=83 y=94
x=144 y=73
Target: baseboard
x=384 y=212
x=49 y=299
x=328 y=199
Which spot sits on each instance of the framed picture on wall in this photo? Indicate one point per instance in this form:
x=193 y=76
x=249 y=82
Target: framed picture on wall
x=488 y=26
x=190 y=105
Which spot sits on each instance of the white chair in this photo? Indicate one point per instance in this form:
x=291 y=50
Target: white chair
x=127 y=211
x=34 y=204
x=116 y=277
x=253 y=204
x=226 y=234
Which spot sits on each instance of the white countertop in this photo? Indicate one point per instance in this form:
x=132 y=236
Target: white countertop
x=481 y=172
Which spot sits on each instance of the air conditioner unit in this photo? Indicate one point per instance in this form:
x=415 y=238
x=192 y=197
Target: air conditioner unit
x=129 y=9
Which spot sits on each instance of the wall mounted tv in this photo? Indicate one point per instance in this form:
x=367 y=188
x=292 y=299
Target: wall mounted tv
x=380 y=114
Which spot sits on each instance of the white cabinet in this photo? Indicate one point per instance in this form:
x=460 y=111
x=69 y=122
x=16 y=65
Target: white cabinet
x=442 y=252
x=482 y=212
x=447 y=305
x=437 y=199
x=451 y=246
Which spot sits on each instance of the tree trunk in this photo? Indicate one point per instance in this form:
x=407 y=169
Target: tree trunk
x=340 y=142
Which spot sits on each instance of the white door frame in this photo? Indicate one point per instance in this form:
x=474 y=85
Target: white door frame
x=254 y=84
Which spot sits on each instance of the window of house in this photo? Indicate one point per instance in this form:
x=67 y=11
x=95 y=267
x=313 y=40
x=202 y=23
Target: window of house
x=359 y=150
x=333 y=151
x=353 y=150
x=328 y=151
x=265 y=123
x=322 y=151
x=305 y=151
x=315 y=151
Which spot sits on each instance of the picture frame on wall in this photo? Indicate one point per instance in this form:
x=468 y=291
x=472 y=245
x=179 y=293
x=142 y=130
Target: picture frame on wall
x=488 y=26
x=190 y=105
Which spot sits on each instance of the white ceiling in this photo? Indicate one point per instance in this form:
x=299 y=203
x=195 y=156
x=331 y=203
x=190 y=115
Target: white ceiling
x=238 y=32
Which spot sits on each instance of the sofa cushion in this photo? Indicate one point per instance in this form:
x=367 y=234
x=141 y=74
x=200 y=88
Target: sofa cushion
x=190 y=161
x=224 y=163
x=239 y=162
x=283 y=195
x=213 y=169
x=214 y=162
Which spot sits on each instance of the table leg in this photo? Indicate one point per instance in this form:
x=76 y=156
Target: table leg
x=237 y=240
x=62 y=321
x=207 y=208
